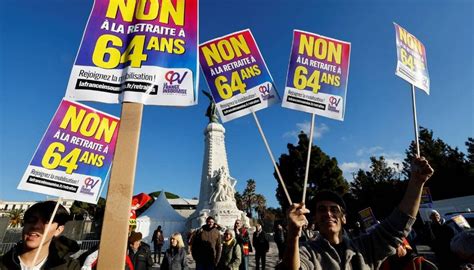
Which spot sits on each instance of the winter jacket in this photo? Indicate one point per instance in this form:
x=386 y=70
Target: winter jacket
x=59 y=258
x=141 y=259
x=206 y=247
x=174 y=259
x=260 y=242
x=365 y=252
x=231 y=256
x=243 y=239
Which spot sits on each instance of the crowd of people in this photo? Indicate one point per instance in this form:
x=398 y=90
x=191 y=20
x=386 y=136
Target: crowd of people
x=321 y=244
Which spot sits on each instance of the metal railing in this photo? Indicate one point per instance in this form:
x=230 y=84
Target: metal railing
x=5 y=247
x=88 y=244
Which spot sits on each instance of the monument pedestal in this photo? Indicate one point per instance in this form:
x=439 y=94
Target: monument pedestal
x=216 y=196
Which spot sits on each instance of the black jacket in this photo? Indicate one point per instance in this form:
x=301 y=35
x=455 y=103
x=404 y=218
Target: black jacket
x=59 y=258
x=260 y=242
x=141 y=259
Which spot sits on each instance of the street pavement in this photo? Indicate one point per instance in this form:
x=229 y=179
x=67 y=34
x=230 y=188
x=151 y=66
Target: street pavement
x=272 y=258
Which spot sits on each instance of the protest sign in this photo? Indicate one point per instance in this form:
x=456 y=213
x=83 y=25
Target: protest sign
x=426 y=200
x=237 y=75
x=317 y=75
x=411 y=59
x=73 y=159
x=138 y=51
x=461 y=221
x=368 y=218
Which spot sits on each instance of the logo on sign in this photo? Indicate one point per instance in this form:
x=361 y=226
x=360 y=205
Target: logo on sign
x=265 y=91
x=174 y=80
x=173 y=76
x=88 y=186
x=334 y=103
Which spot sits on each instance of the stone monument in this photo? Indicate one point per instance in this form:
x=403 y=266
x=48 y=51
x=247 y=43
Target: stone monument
x=216 y=195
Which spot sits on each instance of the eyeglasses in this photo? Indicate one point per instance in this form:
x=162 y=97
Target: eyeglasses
x=333 y=209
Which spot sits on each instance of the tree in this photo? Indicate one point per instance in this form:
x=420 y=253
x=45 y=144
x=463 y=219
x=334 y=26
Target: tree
x=378 y=188
x=248 y=197
x=16 y=217
x=453 y=172
x=250 y=201
x=323 y=172
x=239 y=200
x=260 y=205
x=470 y=150
x=81 y=210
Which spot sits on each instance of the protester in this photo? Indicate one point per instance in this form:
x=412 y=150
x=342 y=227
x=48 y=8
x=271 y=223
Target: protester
x=158 y=240
x=55 y=252
x=189 y=239
x=304 y=236
x=440 y=238
x=139 y=252
x=231 y=256
x=175 y=255
x=91 y=259
x=279 y=238
x=406 y=259
x=333 y=250
x=243 y=239
x=356 y=230
x=206 y=246
x=311 y=232
x=261 y=245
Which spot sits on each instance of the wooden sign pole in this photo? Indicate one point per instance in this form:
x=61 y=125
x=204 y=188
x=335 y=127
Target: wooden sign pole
x=308 y=158
x=415 y=121
x=113 y=241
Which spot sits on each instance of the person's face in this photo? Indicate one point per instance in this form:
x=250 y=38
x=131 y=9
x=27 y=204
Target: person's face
x=210 y=222
x=238 y=224
x=435 y=217
x=258 y=228
x=34 y=231
x=174 y=242
x=227 y=236
x=135 y=245
x=329 y=218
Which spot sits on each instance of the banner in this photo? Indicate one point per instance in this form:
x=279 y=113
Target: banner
x=411 y=59
x=237 y=75
x=317 y=75
x=426 y=200
x=368 y=218
x=138 y=201
x=138 y=51
x=74 y=157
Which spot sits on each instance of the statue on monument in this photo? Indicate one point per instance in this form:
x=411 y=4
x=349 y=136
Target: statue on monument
x=211 y=112
x=223 y=189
